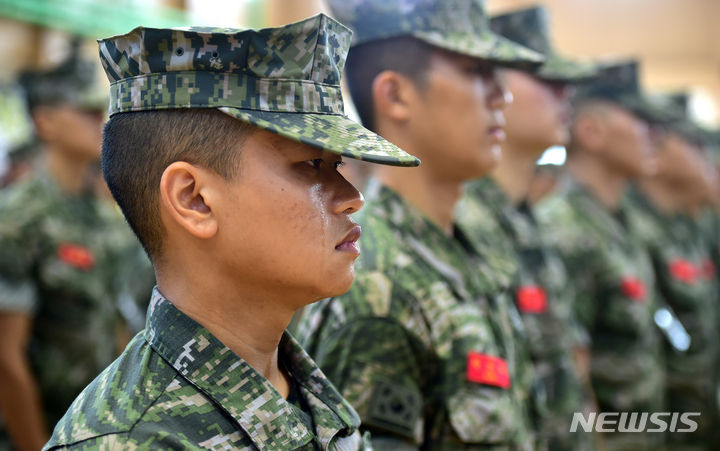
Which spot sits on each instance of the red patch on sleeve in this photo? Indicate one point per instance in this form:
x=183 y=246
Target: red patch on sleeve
x=77 y=256
x=488 y=370
x=633 y=288
x=683 y=270
x=531 y=299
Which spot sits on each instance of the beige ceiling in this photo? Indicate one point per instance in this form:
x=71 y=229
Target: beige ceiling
x=677 y=41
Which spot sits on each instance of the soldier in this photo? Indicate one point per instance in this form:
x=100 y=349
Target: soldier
x=662 y=212
x=417 y=345
x=538 y=118
x=615 y=293
x=222 y=150
x=58 y=321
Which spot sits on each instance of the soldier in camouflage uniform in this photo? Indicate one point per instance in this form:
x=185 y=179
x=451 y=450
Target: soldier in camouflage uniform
x=419 y=346
x=538 y=118
x=58 y=321
x=222 y=150
x=660 y=216
x=614 y=283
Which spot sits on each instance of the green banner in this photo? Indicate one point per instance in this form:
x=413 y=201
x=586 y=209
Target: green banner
x=93 y=18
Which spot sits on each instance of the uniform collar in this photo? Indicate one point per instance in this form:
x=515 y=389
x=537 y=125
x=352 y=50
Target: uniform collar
x=247 y=396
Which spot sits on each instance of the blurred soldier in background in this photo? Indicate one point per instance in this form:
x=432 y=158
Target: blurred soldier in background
x=614 y=284
x=538 y=118
x=419 y=345
x=58 y=319
x=662 y=213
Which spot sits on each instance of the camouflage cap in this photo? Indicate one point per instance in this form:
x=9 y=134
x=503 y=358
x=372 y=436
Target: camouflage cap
x=619 y=82
x=531 y=28
x=460 y=26
x=73 y=82
x=285 y=80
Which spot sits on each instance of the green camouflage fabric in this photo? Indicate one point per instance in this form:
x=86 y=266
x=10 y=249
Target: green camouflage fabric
x=400 y=344
x=544 y=299
x=619 y=82
x=531 y=28
x=460 y=26
x=177 y=387
x=285 y=80
x=615 y=298
x=687 y=280
x=59 y=265
x=73 y=82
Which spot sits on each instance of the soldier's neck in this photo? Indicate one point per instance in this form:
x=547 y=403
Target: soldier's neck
x=220 y=306
x=665 y=198
x=603 y=181
x=515 y=171
x=434 y=195
x=72 y=175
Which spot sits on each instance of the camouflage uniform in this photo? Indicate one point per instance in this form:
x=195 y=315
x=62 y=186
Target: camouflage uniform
x=541 y=291
x=423 y=293
x=58 y=265
x=178 y=386
x=197 y=394
x=687 y=282
x=544 y=298
x=615 y=298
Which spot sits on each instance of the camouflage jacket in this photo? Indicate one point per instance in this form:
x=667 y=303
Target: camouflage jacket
x=687 y=282
x=544 y=298
x=413 y=345
x=616 y=298
x=58 y=264
x=176 y=386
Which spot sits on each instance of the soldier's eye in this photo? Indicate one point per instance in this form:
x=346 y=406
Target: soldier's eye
x=315 y=163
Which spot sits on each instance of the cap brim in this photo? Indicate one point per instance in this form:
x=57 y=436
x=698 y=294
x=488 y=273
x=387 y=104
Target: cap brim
x=488 y=46
x=560 y=68
x=334 y=133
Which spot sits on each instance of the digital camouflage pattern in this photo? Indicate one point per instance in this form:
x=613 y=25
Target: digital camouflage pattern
x=531 y=28
x=285 y=80
x=460 y=26
x=688 y=283
x=176 y=386
x=400 y=344
x=544 y=298
x=615 y=299
x=619 y=82
x=59 y=266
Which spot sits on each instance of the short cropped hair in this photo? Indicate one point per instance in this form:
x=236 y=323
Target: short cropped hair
x=403 y=54
x=138 y=146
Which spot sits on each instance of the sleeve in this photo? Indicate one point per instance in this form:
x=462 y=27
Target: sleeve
x=374 y=364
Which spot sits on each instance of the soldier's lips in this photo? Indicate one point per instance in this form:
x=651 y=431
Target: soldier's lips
x=497 y=133
x=349 y=243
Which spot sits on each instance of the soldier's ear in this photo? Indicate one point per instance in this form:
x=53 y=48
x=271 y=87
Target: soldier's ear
x=187 y=198
x=43 y=120
x=392 y=93
x=591 y=131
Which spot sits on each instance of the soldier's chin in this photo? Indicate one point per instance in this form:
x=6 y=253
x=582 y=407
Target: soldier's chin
x=341 y=284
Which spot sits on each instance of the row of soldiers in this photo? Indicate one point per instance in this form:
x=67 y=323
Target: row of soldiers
x=476 y=319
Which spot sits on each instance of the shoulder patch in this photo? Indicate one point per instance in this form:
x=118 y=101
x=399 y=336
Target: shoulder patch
x=394 y=408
